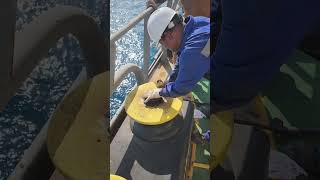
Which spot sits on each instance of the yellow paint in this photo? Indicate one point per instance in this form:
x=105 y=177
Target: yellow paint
x=221 y=127
x=136 y=109
x=115 y=177
x=193 y=158
x=83 y=152
x=159 y=73
x=201 y=165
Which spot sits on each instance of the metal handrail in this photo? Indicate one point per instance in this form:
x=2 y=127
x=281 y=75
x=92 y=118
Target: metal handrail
x=36 y=38
x=23 y=50
x=118 y=118
x=125 y=70
x=117 y=35
x=8 y=18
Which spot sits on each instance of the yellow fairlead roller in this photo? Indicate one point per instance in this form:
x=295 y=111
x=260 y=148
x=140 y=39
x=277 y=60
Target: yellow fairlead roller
x=76 y=139
x=142 y=114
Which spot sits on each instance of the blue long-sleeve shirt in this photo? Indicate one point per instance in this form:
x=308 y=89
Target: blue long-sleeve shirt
x=192 y=63
x=256 y=38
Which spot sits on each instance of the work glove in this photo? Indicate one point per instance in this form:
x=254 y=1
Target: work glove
x=153 y=94
x=206 y=135
x=161 y=84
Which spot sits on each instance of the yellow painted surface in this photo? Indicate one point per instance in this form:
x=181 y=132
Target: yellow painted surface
x=83 y=152
x=64 y=116
x=221 y=127
x=159 y=73
x=115 y=177
x=193 y=157
x=201 y=165
x=136 y=109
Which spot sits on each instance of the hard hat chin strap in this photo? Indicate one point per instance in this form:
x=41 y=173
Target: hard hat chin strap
x=177 y=19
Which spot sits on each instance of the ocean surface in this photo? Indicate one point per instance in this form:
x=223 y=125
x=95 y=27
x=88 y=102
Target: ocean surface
x=36 y=99
x=130 y=47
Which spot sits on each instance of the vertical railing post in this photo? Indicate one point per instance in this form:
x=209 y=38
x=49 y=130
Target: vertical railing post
x=175 y=4
x=169 y=3
x=113 y=57
x=146 y=45
x=164 y=54
x=7 y=32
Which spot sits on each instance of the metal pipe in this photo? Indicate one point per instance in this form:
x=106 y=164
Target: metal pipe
x=169 y=3
x=155 y=61
x=124 y=71
x=8 y=19
x=43 y=32
x=154 y=64
x=117 y=121
x=164 y=54
x=113 y=57
x=146 y=45
x=175 y=5
x=34 y=41
x=117 y=35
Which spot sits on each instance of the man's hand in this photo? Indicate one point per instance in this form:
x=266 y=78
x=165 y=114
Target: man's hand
x=153 y=94
x=152 y=3
x=161 y=84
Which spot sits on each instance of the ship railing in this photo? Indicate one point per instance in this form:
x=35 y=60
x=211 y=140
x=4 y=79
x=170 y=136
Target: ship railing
x=21 y=51
x=141 y=74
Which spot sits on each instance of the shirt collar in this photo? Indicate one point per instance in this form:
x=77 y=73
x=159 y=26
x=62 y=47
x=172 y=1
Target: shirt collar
x=189 y=22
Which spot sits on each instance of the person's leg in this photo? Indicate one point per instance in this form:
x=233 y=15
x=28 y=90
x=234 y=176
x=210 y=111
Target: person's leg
x=249 y=153
x=250 y=147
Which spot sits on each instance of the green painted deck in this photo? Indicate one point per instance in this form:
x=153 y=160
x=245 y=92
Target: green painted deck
x=202 y=94
x=294 y=97
x=294 y=94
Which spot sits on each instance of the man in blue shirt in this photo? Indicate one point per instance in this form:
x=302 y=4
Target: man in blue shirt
x=190 y=39
x=253 y=40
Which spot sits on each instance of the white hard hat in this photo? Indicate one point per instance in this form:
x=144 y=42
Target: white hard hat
x=158 y=22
